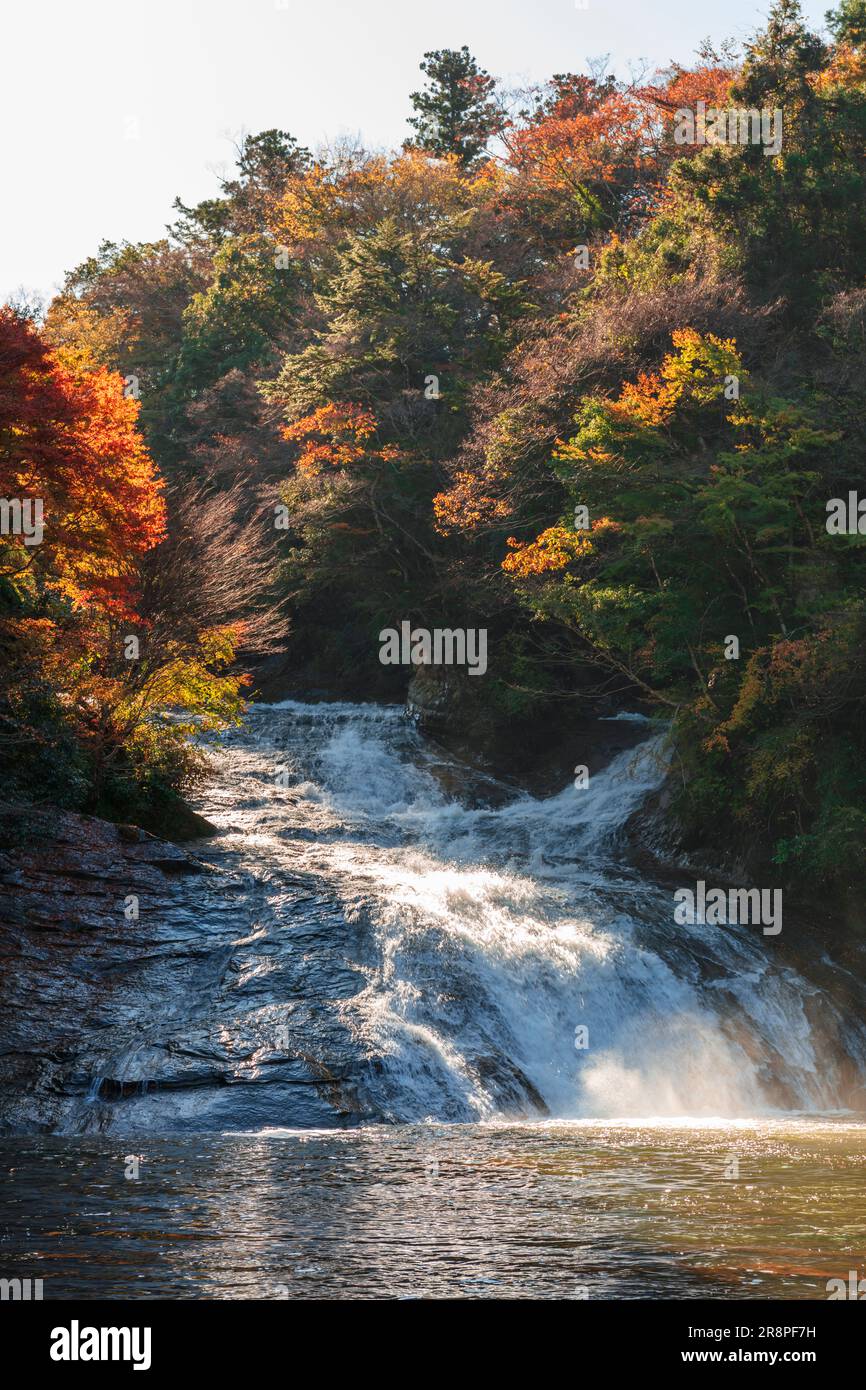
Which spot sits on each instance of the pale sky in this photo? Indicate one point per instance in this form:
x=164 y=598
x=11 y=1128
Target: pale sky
x=109 y=108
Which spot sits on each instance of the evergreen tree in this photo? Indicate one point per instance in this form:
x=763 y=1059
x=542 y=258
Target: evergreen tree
x=456 y=113
x=265 y=162
x=848 y=22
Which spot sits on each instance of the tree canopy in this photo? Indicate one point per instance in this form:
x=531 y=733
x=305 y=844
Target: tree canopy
x=431 y=363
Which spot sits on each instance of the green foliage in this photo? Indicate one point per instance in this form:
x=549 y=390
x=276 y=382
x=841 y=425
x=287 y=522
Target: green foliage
x=848 y=22
x=232 y=325
x=698 y=388
x=709 y=523
x=399 y=306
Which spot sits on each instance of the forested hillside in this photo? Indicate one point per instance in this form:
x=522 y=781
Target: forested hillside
x=550 y=369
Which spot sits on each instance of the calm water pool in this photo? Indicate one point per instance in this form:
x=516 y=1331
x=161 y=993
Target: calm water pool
x=543 y=1211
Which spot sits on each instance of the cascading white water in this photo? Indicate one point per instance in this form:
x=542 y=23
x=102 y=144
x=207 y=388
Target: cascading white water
x=496 y=924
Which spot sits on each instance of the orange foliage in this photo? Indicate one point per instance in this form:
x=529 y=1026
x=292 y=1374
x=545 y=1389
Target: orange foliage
x=333 y=200
x=337 y=436
x=648 y=401
x=573 y=146
x=590 y=139
x=697 y=366
x=682 y=88
x=593 y=138
x=69 y=437
x=554 y=550
x=847 y=68
x=464 y=508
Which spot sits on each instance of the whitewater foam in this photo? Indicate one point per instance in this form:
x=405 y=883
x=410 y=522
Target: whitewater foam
x=495 y=925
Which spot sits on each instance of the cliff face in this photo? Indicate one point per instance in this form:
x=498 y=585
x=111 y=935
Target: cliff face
x=538 y=752
x=441 y=701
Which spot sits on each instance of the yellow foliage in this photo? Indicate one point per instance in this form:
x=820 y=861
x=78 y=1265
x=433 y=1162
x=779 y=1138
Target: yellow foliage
x=846 y=69
x=696 y=371
x=553 y=550
x=359 y=190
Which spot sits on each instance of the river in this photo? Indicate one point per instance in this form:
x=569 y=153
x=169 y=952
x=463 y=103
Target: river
x=446 y=1040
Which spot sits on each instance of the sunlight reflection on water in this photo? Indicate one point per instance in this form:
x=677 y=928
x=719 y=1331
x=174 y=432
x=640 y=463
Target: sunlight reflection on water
x=614 y=1210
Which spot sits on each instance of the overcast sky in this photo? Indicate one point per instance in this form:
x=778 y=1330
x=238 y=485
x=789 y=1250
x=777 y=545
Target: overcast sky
x=110 y=108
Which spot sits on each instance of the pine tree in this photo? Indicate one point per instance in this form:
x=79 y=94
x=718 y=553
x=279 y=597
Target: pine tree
x=848 y=22
x=456 y=113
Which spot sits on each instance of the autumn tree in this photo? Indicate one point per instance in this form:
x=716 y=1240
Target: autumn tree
x=789 y=220
x=124 y=308
x=265 y=163
x=107 y=639
x=579 y=158
x=410 y=348
x=410 y=312
x=69 y=437
x=181 y=318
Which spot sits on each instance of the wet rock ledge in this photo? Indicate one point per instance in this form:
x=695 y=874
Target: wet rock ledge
x=111 y=1021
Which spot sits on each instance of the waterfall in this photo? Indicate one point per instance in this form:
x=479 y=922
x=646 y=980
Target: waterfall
x=499 y=932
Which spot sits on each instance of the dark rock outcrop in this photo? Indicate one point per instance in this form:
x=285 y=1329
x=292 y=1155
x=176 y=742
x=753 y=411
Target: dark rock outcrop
x=537 y=753
x=127 y=990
